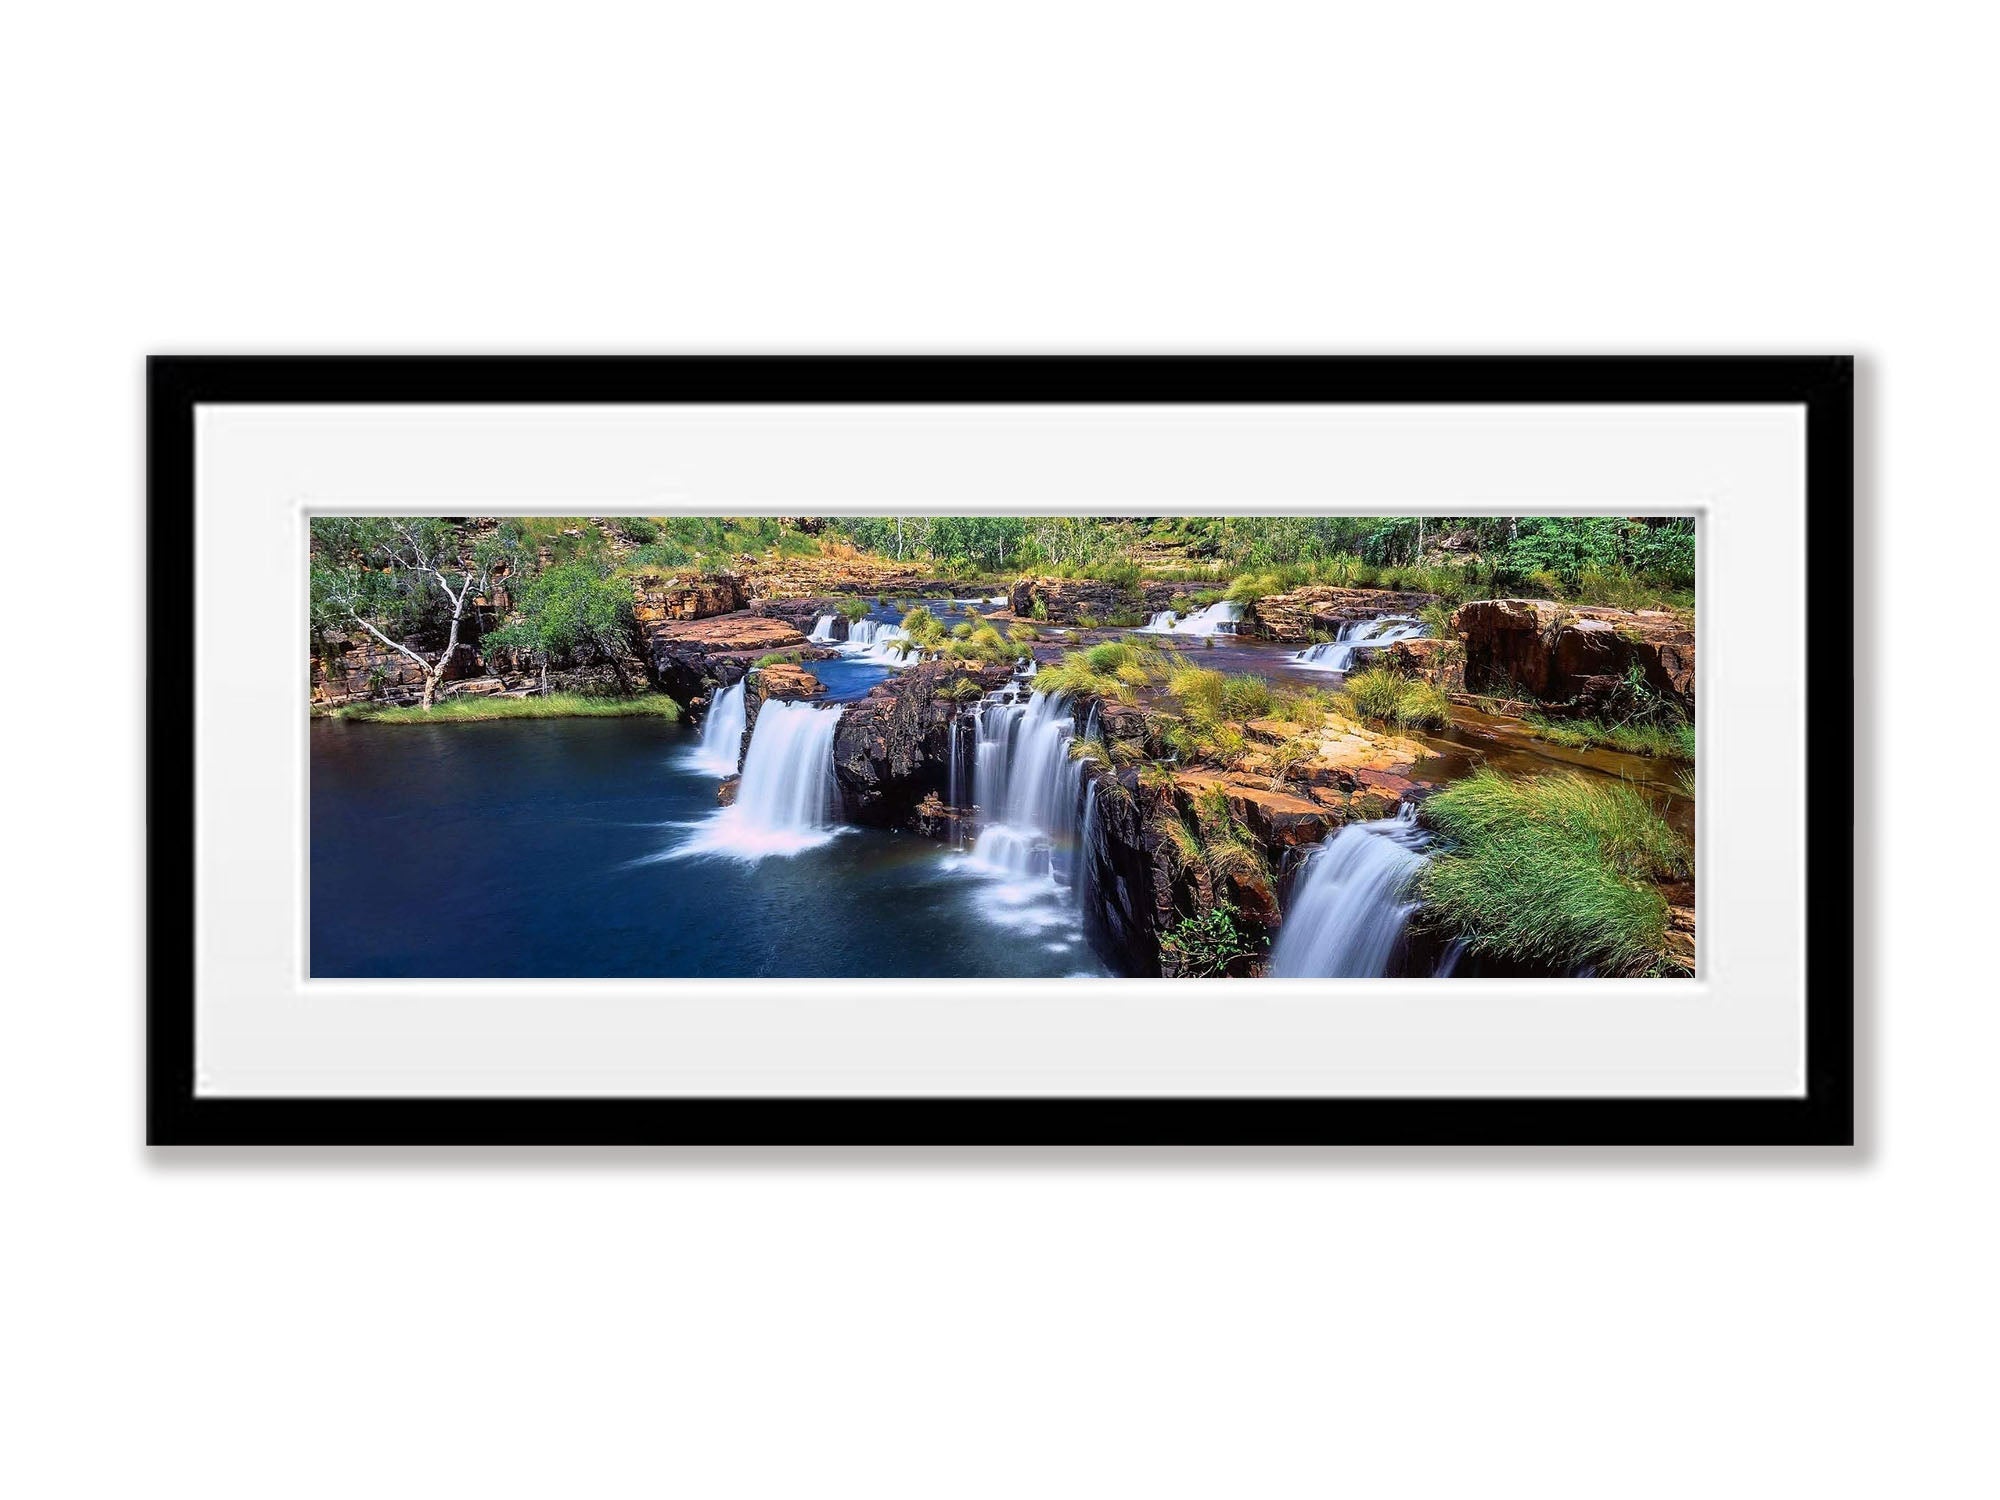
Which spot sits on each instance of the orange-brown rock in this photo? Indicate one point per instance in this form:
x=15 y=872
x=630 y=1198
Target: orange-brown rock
x=1294 y=616
x=656 y=600
x=691 y=658
x=785 y=681
x=1576 y=657
x=1439 y=662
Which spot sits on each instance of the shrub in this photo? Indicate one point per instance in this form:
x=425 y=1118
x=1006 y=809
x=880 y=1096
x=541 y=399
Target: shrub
x=636 y=529
x=851 y=610
x=1205 y=945
x=1556 y=871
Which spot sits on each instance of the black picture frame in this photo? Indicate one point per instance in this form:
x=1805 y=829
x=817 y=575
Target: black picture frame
x=1824 y=1115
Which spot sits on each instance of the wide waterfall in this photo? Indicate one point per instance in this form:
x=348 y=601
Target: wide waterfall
x=788 y=798
x=721 y=733
x=1220 y=618
x=822 y=628
x=1337 y=655
x=1352 y=900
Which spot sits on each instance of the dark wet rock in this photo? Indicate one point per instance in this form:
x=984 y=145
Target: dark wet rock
x=803 y=614
x=892 y=749
x=1063 y=601
x=1577 y=658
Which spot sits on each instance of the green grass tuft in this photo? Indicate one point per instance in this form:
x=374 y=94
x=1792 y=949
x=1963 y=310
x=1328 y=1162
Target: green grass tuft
x=1556 y=871
x=1673 y=741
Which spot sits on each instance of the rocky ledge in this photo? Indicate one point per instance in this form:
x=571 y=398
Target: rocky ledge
x=694 y=657
x=1319 y=607
x=892 y=748
x=1063 y=601
x=1136 y=887
x=1576 y=658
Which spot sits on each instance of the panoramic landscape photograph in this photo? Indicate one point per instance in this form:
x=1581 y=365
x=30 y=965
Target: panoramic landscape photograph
x=955 y=746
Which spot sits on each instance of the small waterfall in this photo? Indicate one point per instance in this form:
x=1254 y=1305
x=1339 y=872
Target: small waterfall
x=788 y=797
x=1026 y=785
x=1220 y=618
x=822 y=629
x=1337 y=655
x=1350 y=902
x=871 y=641
x=721 y=733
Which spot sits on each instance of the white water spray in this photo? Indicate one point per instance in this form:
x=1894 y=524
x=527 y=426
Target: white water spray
x=1351 y=902
x=1337 y=655
x=1220 y=618
x=721 y=733
x=787 y=799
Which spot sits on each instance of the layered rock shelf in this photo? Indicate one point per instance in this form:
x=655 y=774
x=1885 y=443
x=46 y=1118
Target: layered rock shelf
x=1575 y=658
x=1320 y=608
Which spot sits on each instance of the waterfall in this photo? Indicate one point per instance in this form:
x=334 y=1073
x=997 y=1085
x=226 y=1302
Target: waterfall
x=822 y=629
x=1337 y=655
x=871 y=641
x=787 y=799
x=1350 y=902
x=721 y=733
x=1220 y=618
x=1025 y=784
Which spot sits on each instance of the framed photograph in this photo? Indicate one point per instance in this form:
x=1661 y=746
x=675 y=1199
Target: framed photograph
x=1001 y=751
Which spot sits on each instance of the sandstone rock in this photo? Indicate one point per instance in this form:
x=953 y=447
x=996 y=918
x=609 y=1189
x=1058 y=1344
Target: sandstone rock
x=691 y=658
x=1294 y=616
x=656 y=599
x=786 y=682
x=1575 y=657
x=1439 y=662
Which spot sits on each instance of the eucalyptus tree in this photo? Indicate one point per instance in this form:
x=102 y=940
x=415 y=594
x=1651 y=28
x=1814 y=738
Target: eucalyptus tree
x=403 y=580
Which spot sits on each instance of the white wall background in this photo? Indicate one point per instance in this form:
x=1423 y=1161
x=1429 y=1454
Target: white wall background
x=1528 y=177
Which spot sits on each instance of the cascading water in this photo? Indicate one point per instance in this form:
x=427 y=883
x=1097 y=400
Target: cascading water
x=787 y=798
x=1351 y=901
x=1220 y=618
x=721 y=733
x=822 y=629
x=873 y=641
x=1337 y=655
x=1029 y=792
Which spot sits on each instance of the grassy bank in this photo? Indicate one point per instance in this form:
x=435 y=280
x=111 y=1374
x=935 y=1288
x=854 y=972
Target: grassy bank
x=1555 y=871
x=483 y=709
x=1662 y=741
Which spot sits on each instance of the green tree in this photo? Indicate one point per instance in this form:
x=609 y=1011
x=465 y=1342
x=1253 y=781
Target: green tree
x=572 y=614
x=403 y=579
